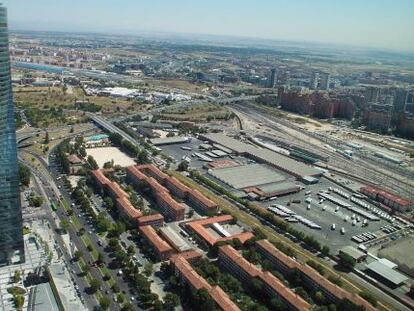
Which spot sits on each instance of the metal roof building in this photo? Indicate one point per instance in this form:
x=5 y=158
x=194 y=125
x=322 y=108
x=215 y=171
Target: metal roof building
x=386 y=274
x=291 y=166
x=240 y=177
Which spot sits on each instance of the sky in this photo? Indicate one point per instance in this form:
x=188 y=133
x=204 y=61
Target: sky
x=384 y=24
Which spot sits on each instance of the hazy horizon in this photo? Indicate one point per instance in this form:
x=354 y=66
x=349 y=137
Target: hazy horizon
x=371 y=24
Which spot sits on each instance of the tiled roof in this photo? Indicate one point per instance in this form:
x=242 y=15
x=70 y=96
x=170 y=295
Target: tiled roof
x=178 y=184
x=199 y=227
x=198 y=282
x=128 y=208
x=203 y=199
x=269 y=279
x=335 y=290
x=100 y=177
x=160 y=245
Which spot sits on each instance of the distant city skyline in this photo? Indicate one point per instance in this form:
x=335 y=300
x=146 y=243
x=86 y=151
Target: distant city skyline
x=376 y=24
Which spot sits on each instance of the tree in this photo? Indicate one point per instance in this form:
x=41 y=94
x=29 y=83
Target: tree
x=100 y=258
x=25 y=174
x=64 y=225
x=148 y=268
x=17 y=276
x=319 y=298
x=130 y=250
x=346 y=261
x=94 y=285
x=369 y=297
x=109 y=203
x=143 y=157
x=183 y=166
x=325 y=250
x=103 y=224
x=92 y=163
x=77 y=255
x=127 y=307
x=104 y=302
x=202 y=300
x=47 y=140
x=171 y=301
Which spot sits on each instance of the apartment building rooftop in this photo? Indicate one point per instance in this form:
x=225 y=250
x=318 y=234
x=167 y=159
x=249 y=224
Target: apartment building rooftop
x=335 y=290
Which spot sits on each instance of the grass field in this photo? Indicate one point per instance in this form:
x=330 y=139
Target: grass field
x=203 y=112
x=53 y=106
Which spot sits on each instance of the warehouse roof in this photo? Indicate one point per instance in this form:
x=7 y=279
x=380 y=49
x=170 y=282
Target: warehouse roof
x=391 y=275
x=283 y=162
x=169 y=140
x=353 y=252
x=240 y=177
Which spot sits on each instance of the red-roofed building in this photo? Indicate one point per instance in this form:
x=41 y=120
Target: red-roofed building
x=128 y=210
x=162 y=249
x=184 y=271
x=134 y=176
x=100 y=179
x=176 y=187
x=201 y=202
x=155 y=220
x=395 y=202
x=170 y=208
x=233 y=261
x=311 y=278
x=200 y=227
x=115 y=191
x=153 y=171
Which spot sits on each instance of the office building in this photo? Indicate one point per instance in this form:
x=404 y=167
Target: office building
x=324 y=80
x=372 y=94
x=314 y=81
x=11 y=231
x=272 y=78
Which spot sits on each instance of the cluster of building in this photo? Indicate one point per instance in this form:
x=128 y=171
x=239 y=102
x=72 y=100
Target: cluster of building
x=317 y=104
x=181 y=265
x=163 y=186
x=381 y=105
x=391 y=200
x=231 y=260
x=311 y=278
x=122 y=202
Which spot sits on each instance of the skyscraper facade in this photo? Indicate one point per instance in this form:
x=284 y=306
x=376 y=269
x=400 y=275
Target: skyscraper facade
x=11 y=234
x=272 y=78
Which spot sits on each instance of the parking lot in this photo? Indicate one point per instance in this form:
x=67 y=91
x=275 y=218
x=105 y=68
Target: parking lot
x=326 y=214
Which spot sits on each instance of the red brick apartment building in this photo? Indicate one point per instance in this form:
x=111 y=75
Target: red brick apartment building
x=127 y=210
x=159 y=181
x=240 y=268
x=312 y=279
x=184 y=271
x=155 y=220
x=200 y=227
x=161 y=248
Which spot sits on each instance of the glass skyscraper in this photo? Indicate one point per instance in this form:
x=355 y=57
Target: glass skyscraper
x=11 y=231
